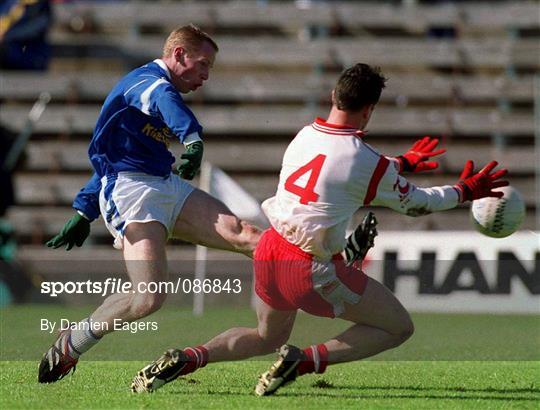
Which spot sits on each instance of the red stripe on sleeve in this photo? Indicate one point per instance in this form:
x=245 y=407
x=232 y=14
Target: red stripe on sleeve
x=380 y=169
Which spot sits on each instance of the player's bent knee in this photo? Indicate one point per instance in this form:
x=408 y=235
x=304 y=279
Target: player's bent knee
x=407 y=331
x=404 y=332
x=242 y=235
x=144 y=304
x=273 y=342
x=271 y=345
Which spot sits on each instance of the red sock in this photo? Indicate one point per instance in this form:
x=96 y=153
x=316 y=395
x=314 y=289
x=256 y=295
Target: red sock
x=316 y=360
x=198 y=357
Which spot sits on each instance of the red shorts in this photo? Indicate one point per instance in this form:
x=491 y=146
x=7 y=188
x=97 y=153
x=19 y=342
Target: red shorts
x=287 y=278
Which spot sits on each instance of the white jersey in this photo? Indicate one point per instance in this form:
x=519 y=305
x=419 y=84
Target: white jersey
x=327 y=174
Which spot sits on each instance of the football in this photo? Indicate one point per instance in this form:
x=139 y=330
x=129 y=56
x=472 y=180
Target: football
x=499 y=217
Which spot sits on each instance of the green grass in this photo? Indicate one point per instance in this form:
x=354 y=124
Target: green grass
x=452 y=361
x=368 y=384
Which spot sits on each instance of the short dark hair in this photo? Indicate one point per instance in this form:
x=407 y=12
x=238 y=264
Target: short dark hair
x=358 y=86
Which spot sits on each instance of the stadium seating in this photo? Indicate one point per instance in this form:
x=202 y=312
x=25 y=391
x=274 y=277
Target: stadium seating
x=473 y=86
x=286 y=120
x=288 y=87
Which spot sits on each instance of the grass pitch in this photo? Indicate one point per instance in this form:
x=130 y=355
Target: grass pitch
x=452 y=361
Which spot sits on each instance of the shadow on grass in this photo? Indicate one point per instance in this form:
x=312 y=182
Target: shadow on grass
x=358 y=396
x=448 y=393
x=448 y=389
x=421 y=393
x=412 y=396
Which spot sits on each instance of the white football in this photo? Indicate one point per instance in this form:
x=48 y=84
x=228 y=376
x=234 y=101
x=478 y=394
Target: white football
x=499 y=217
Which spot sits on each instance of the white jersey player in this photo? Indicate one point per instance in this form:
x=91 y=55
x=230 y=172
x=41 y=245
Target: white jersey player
x=328 y=172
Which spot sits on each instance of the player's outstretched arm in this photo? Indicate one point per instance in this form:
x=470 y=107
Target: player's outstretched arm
x=395 y=192
x=416 y=158
x=478 y=185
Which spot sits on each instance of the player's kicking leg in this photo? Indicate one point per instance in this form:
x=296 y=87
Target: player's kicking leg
x=381 y=323
x=206 y=221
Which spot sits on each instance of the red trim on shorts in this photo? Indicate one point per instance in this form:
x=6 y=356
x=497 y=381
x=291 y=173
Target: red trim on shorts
x=380 y=169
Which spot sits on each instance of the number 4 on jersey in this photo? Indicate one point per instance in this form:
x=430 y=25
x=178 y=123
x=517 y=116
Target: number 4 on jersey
x=307 y=193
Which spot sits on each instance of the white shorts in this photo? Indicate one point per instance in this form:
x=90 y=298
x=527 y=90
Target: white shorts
x=138 y=197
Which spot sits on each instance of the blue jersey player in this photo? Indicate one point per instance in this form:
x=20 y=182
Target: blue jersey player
x=141 y=201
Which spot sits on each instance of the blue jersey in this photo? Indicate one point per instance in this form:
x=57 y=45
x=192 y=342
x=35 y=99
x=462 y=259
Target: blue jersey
x=139 y=119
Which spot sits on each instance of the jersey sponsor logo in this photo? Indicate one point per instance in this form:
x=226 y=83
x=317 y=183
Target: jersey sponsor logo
x=404 y=199
x=163 y=134
x=403 y=190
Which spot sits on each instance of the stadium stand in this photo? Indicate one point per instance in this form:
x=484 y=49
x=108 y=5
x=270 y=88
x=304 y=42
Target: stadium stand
x=463 y=71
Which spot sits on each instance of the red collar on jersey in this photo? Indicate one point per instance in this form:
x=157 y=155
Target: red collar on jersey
x=335 y=129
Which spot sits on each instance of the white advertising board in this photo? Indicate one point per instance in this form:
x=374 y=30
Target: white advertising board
x=459 y=271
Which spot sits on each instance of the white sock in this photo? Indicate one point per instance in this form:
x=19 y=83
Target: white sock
x=82 y=338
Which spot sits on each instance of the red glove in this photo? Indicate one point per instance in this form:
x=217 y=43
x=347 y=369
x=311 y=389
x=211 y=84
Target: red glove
x=415 y=158
x=473 y=186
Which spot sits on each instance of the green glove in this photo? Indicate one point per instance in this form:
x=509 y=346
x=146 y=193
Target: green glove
x=74 y=232
x=192 y=158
